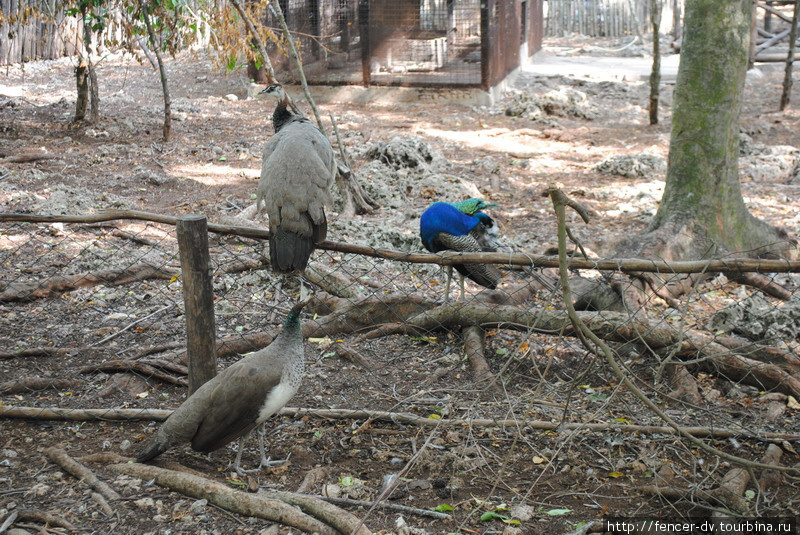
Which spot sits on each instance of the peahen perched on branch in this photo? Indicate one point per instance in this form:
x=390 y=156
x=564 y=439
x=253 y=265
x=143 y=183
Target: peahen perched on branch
x=297 y=171
x=462 y=226
x=239 y=399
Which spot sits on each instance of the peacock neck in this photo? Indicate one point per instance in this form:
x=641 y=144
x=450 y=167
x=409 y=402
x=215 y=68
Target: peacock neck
x=282 y=114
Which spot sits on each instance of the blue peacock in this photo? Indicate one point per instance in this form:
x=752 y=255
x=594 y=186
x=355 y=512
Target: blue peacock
x=462 y=226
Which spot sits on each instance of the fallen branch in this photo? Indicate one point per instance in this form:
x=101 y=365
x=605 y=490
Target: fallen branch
x=388 y=506
x=138 y=366
x=32 y=384
x=316 y=515
x=626 y=265
x=43 y=352
x=333 y=282
x=771 y=480
x=314 y=477
x=28 y=157
x=57 y=285
x=70 y=465
x=730 y=491
x=609 y=326
x=44 y=517
x=56 y=413
x=159 y=415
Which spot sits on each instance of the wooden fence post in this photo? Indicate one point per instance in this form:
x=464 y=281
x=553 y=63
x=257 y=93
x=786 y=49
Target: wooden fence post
x=198 y=299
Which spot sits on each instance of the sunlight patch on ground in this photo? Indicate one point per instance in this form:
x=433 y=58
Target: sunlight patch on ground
x=215 y=175
x=492 y=140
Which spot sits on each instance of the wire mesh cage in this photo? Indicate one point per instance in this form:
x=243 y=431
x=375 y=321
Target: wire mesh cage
x=437 y=43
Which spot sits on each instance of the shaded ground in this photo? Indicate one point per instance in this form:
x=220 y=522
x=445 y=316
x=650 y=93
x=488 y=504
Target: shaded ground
x=212 y=167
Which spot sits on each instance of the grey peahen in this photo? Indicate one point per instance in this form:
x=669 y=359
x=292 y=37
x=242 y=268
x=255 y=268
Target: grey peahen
x=238 y=399
x=462 y=227
x=296 y=175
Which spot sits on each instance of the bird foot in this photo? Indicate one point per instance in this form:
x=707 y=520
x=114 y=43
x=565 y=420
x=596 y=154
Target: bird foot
x=266 y=462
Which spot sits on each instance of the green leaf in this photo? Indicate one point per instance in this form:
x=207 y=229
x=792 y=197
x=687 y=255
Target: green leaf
x=501 y=351
x=236 y=483
x=491 y=515
x=231 y=63
x=346 y=481
x=442 y=507
x=749 y=494
x=558 y=512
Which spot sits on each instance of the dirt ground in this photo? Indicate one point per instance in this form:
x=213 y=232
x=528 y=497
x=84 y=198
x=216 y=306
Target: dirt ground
x=518 y=478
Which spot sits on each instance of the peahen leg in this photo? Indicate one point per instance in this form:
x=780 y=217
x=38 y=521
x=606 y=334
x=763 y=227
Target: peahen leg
x=461 y=285
x=265 y=461
x=449 y=270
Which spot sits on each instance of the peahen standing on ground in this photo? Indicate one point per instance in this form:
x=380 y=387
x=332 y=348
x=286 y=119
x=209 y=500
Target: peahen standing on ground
x=297 y=171
x=462 y=226
x=238 y=399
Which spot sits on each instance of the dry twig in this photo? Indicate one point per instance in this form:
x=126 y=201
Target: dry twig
x=70 y=465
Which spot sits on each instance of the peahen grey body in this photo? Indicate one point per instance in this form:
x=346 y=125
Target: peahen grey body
x=296 y=175
x=238 y=399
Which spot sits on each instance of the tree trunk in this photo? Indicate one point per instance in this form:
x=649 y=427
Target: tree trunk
x=162 y=72
x=655 y=73
x=702 y=212
x=94 y=93
x=787 y=79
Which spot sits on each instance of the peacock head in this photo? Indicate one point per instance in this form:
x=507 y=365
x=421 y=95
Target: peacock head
x=274 y=91
x=472 y=206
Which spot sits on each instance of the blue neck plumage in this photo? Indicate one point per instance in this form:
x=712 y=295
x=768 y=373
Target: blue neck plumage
x=444 y=217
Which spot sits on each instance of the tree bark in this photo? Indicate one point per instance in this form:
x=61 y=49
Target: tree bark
x=94 y=92
x=82 y=83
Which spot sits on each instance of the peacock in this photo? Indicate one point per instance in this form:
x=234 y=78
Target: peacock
x=462 y=226
x=237 y=400
x=296 y=175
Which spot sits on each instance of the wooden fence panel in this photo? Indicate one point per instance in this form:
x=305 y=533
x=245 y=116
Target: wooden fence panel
x=596 y=18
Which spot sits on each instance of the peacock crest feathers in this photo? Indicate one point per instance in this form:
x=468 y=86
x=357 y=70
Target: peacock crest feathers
x=472 y=206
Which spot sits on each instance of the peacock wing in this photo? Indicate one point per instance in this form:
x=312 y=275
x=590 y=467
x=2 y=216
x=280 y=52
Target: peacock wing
x=234 y=406
x=487 y=275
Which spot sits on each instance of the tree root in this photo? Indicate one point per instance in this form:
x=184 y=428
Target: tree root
x=57 y=285
x=31 y=384
x=473 y=346
x=761 y=282
x=316 y=515
x=70 y=465
x=684 y=385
